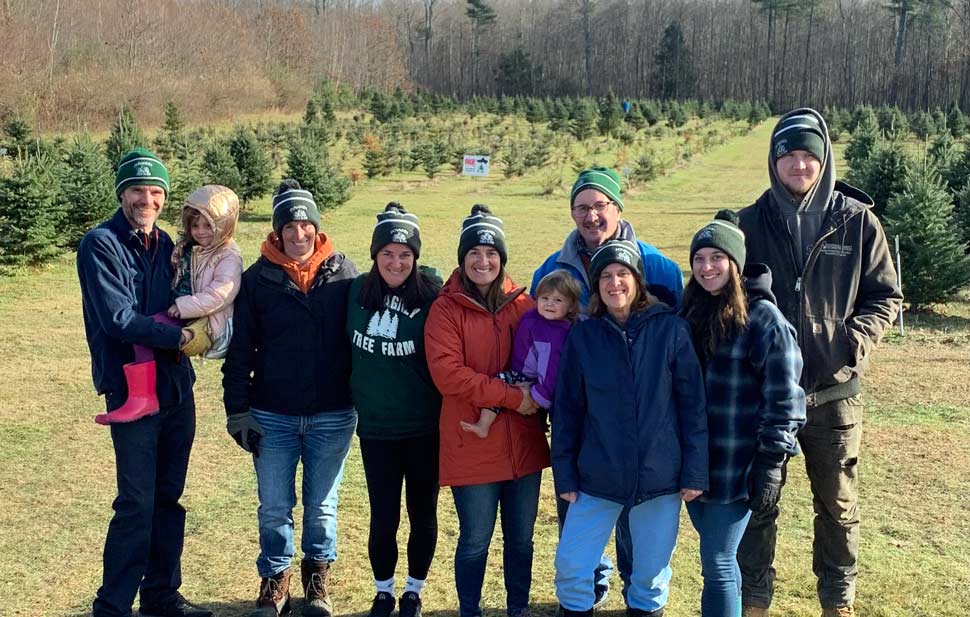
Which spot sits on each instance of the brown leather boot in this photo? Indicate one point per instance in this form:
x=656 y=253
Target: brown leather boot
x=840 y=611
x=274 y=596
x=316 y=588
x=753 y=611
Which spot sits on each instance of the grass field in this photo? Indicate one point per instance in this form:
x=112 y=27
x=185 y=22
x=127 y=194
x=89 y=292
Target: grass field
x=57 y=473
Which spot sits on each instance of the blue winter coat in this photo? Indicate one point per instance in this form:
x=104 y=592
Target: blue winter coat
x=629 y=421
x=658 y=270
x=125 y=279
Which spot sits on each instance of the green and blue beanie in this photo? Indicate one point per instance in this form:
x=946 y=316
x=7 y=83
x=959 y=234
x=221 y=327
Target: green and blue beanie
x=140 y=168
x=723 y=234
x=603 y=179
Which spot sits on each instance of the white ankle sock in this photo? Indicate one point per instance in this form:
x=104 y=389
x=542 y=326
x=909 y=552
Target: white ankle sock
x=385 y=586
x=413 y=584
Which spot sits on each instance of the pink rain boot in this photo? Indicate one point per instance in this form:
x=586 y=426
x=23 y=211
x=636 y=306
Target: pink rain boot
x=142 y=400
x=140 y=377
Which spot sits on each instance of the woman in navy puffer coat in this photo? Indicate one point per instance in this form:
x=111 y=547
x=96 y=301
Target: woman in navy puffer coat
x=629 y=430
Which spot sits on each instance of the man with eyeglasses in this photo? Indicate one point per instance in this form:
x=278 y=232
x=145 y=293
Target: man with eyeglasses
x=596 y=206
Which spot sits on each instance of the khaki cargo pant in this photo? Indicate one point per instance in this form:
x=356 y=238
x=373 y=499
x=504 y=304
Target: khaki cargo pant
x=830 y=446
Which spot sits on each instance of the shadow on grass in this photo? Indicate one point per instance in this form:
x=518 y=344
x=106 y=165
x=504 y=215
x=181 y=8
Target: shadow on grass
x=929 y=319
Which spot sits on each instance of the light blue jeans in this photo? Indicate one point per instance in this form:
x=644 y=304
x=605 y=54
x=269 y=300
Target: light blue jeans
x=589 y=522
x=321 y=441
x=720 y=526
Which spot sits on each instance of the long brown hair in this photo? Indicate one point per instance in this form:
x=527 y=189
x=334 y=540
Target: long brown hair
x=418 y=289
x=495 y=296
x=715 y=319
x=643 y=301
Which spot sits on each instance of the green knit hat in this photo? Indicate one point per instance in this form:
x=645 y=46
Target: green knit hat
x=723 y=234
x=800 y=132
x=615 y=251
x=603 y=179
x=140 y=168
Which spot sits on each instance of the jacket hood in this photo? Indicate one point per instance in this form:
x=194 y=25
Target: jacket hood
x=220 y=207
x=819 y=196
x=757 y=283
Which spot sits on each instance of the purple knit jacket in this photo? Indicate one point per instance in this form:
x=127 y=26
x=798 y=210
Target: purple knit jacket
x=535 y=352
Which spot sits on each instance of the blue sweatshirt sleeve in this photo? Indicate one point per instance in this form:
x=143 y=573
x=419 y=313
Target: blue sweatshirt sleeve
x=568 y=415
x=689 y=397
x=109 y=295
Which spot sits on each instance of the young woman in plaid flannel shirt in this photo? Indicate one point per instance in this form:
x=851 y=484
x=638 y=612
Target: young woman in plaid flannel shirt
x=755 y=406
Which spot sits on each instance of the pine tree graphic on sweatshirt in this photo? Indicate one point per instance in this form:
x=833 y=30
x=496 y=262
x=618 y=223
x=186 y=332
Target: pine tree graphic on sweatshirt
x=383 y=324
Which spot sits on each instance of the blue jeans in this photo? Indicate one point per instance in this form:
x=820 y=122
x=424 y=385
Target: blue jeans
x=624 y=550
x=321 y=441
x=720 y=526
x=143 y=548
x=477 y=506
x=653 y=531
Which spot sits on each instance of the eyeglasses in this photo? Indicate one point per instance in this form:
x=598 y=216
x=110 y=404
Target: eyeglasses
x=599 y=207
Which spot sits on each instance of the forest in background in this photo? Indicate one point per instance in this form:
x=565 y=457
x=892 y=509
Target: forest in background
x=72 y=64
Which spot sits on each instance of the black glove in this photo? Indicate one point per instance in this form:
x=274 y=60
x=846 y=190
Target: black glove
x=765 y=480
x=244 y=428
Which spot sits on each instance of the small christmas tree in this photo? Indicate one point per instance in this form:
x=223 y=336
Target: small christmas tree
x=882 y=175
x=255 y=167
x=125 y=136
x=934 y=260
x=87 y=190
x=864 y=140
x=218 y=167
x=31 y=214
x=309 y=164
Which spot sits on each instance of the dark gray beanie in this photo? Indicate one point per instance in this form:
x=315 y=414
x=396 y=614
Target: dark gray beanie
x=292 y=203
x=395 y=225
x=723 y=234
x=614 y=251
x=801 y=132
x=481 y=228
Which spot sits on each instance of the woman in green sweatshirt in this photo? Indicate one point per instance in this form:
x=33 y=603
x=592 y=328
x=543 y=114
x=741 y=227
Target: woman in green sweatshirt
x=397 y=404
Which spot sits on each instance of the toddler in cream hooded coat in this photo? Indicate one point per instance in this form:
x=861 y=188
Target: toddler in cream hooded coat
x=208 y=267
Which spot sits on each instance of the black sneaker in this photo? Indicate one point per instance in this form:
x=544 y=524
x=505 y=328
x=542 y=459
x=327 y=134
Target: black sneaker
x=179 y=607
x=410 y=605
x=601 y=593
x=383 y=605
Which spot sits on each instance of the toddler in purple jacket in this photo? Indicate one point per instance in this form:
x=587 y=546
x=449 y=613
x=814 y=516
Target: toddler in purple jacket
x=539 y=339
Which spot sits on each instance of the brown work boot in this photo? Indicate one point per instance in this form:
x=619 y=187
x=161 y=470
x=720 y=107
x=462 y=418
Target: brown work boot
x=316 y=588
x=274 y=596
x=839 y=611
x=753 y=611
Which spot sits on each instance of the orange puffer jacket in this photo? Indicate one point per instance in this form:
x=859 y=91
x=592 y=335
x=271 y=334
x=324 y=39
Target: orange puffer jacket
x=466 y=347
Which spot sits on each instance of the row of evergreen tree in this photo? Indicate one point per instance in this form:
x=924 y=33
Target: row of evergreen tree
x=921 y=191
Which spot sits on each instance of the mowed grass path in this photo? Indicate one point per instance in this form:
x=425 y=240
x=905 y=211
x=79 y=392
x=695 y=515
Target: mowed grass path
x=57 y=472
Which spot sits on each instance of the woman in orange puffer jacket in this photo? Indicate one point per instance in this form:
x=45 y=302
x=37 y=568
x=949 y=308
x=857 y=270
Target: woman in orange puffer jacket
x=468 y=340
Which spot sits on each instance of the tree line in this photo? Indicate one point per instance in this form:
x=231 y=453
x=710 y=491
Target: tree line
x=70 y=63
